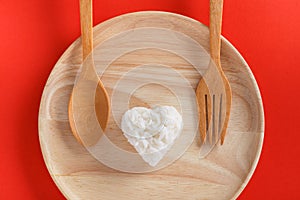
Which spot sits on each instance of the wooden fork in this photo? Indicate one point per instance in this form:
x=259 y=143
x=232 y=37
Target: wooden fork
x=214 y=102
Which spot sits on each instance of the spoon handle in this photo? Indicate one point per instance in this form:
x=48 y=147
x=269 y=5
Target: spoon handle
x=86 y=23
x=215 y=26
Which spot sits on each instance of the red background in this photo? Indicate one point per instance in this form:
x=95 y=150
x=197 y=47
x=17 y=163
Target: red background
x=35 y=33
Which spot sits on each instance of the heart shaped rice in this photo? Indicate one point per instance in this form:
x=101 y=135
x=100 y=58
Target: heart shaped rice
x=152 y=132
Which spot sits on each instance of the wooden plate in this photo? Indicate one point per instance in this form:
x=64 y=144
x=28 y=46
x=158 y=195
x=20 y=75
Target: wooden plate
x=223 y=174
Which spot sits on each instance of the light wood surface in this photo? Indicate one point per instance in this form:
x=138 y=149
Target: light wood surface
x=221 y=175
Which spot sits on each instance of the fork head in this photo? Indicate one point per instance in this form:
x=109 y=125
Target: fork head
x=211 y=113
x=211 y=108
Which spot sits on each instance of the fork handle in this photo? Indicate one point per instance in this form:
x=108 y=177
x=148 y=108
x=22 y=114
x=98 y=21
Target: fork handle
x=215 y=26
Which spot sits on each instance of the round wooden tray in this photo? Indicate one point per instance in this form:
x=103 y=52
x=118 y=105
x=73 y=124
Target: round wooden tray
x=223 y=174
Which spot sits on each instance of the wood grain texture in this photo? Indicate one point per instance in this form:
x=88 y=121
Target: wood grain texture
x=221 y=175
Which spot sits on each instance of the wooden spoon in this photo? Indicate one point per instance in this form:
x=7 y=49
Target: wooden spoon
x=102 y=105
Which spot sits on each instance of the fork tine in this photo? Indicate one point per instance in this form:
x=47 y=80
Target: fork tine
x=214 y=119
x=226 y=110
x=200 y=93
x=209 y=118
x=204 y=108
x=217 y=101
